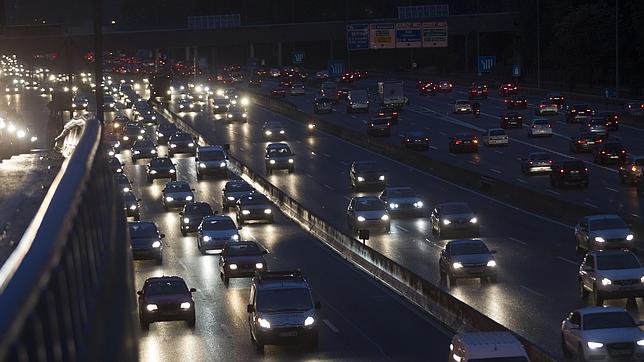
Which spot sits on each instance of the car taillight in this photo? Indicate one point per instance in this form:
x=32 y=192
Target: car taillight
x=530 y=162
x=581 y=142
x=573 y=110
x=623 y=151
x=394 y=113
x=475 y=141
x=549 y=161
x=534 y=126
x=633 y=168
x=458 y=142
x=599 y=140
x=549 y=126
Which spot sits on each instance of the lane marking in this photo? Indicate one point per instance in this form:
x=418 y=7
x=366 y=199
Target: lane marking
x=521 y=180
x=183 y=265
x=433 y=147
x=553 y=192
x=610 y=189
x=402 y=228
x=567 y=260
x=331 y=326
x=591 y=205
x=532 y=291
x=328 y=187
x=495 y=171
x=518 y=241
x=308 y=175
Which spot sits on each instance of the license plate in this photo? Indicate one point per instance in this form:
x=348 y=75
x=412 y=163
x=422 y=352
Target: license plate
x=591 y=142
x=614 y=156
x=288 y=334
x=574 y=172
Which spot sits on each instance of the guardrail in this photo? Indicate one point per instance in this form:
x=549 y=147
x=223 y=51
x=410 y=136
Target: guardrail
x=67 y=290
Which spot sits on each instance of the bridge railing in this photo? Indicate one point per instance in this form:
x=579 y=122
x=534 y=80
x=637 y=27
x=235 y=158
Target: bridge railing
x=66 y=292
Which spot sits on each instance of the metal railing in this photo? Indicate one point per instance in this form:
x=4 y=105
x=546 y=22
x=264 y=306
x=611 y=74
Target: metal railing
x=67 y=290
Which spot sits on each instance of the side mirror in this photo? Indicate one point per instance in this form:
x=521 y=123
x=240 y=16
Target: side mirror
x=192 y=189
x=265 y=252
x=226 y=146
x=139 y=292
x=162 y=236
x=250 y=308
x=181 y=213
x=317 y=304
x=139 y=200
x=192 y=290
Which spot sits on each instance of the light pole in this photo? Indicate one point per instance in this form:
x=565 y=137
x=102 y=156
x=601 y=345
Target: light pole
x=538 y=47
x=617 y=48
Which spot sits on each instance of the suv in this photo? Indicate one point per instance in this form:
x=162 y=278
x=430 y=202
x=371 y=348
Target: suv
x=215 y=232
x=211 y=160
x=569 y=172
x=578 y=112
x=254 y=207
x=597 y=232
x=281 y=310
x=611 y=274
x=166 y=298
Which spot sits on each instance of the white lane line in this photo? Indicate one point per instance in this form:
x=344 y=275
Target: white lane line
x=443 y=133
x=308 y=175
x=532 y=291
x=331 y=326
x=553 y=192
x=499 y=152
x=473 y=163
x=518 y=241
x=241 y=148
x=402 y=228
x=433 y=147
x=328 y=187
x=327 y=155
x=495 y=170
x=567 y=260
x=636 y=215
x=433 y=243
x=590 y=205
x=521 y=180
x=183 y=266
x=225 y=330
x=610 y=189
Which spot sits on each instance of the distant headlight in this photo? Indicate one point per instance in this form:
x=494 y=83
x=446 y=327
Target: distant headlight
x=381 y=178
x=629 y=237
x=235 y=237
x=267 y=211
x=393 y=206
x=185 y=305
x=230 y=115
x=137 y=152
x=418 y=204
x=173 y=171
x=202 y=165
x=191 y=144
x=232 y=266
x=282 y=132
x=206 y=238
x=361 y=219
x=230 y=198
x=268 y=133
x=151 y=307
x=360 y=179
x=126 y=189
x=595 y=345
x=264 y=323
x=126 y=138
x=186 y=220
x=474 y=220
x=119 y=170
x=156 y=244
x=169 y=198
x=244 y=115
x=153 y=152
x=139 y=137
x=290 y=160
x=384 y=217
x=606 y=281
x=599 y=239
x=188 y=198
x=309 y=321
x=491 y=263
x=245 y=212
x=152 y=172
x=259 y=265
x=172 y=145
x=133 y=207
x=222 y=164
x=446 y=222
x=457 y=265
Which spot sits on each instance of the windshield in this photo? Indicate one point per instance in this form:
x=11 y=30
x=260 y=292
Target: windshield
x=161 y=162
x=367 y=167
x=211 y=155
x=608 y=320
x=456 y=209
x=221 y=101
x=273 y=125
x=242 y=249
x=370 y=204
x=541 y=122
x=238 y=187
x=177 y=187
x=415 y=135
x=129 y=198
x=254 y=200
x=618 y=261
x=497 y=132
x=607 y=224
x=279 y=151
x=462 y=102
x=166 y=287
x=540 y=157
x=182 y=137
x=218 y=224
x=469 y=248
x=401 y=193
x=198 y=208
x=143 y=230
x=144 y=143
x=282 y=300
x=613 y=146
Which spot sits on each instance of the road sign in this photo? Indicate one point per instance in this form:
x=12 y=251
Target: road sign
x=435 y=34
x=409 y=35
x=336 y=67
x=297 y=57
x=516 y=70
x=357 y=36
x=382 y=36
x=486 y=63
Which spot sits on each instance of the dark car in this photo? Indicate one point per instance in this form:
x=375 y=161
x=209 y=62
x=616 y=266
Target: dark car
x=165 y=131
x=279 y=157
x=512 y=120
x=236 y=114
x=118 y=123
x=464 y=142
x=572 y=172
x=632 y=170
x=274 y=130
x=508 y=89
x=176 y=194
x=286 y=83
x=402 y=201
x=584 y=142
x=611 y=119
x=469 y=258
x=389 y=111
x=166 y=298
x=536 y=162
x=477 y=91
x=579 y=113
x=115 y=165
x=454 y=218
x=322 y=105
x=254 y=83
x=181 y=142
x=379 y=126
x=220 y=105
x=161 y=167
x=123 y=184
x=426 y=88
x=192 y=215
x=556 y=98
x=254 y=207
x=132 y=132
x=516 y=102
x=278 y=92
x=610 y=153
x=211 y=160
x=146 y=241
x=366 y=175
x=233 y=191
x=241 y=260
x=131 y=205
x=417 y=140
x=143 y=149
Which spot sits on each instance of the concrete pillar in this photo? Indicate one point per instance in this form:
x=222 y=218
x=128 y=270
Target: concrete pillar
x=252 y=50
x=330 y=49
x=195 y=59
x=279 y=54
x=157 y=57
x=187 y=55
x=213 y=60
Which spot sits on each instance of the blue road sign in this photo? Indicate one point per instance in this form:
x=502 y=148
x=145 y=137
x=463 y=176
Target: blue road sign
x=357 y=36
x=336 y=67
x=297 y=57
x=486 y=63
x=516 y=70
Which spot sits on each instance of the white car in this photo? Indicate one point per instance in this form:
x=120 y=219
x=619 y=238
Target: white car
x=540 y=127
x=599 y=232
x=462 y=106
x=602 y=334
x=546 y=107
x=215 y=232
x=611 y=274
x=495 y=136
x=487 y=346
x=367 y=212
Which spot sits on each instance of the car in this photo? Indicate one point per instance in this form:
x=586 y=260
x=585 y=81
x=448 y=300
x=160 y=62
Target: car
x=611 y=274
x=516 y=102
x=241 y=260
x=634 y=108
x=402 y=201
x=508 y=89
x=254 y=207
x=322 y=105
x=464 y=142
x=467 y=258
x=347 y=77
x=181 y=142
x=215 y=232
x=220 y=105
x=358 y=101
x=611 y=119
x=632 y=170
x=601 y=232
x=274 y=130
x=454 y=218
x=132 y=132
x=579 y=113
x=596 y=126
x=584 y=142
x=329 y=89
x=109 y=103
x=192 y=215
x=389 y=111
x=601 y=334
x=140 y=107
x=556 y=98
x=176 y=194
x=343 y=92
x=487 y=346
x=187 y=105
x=234 y=190
x=445 y=86
x=569 y=172
x=279 y=157
x=281 y=310
x=540 y=127
x=142 y=149
x=379 y=126
x=297 y=89
x=211 y=160
x=230 y=93
x=366 y=175
x=546 y=107
x=278 y=92
x=321 y=75
x=165 y=131
x=146 y=241
x=236 y=114
x=118 y=123
x=427 y=88
x=79 y=103
x=367 y=213
x=286 y=83
x=536 y=162
x=512 y=120
x=274 y=72
x=462 y=106
x=417 y=140
x=131 y=205
x=166 y=298
x=495 y=137
x=161 y=167
x=115 y=165
x=254 y=83
x=148 y=118
x=123 y=184
x=610 y=153
x=477 y=91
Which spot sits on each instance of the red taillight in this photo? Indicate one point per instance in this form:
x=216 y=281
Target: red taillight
x=581 y=142
x=599 y=140
x=458 y=142
x=549 y=161
x=573 y=110
x=394 y=113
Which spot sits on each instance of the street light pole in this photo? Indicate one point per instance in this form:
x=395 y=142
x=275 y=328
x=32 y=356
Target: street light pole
x=538 y=47
x=617 y=48
x=98 y=58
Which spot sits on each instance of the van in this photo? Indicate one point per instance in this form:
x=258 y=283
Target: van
x=486 y=346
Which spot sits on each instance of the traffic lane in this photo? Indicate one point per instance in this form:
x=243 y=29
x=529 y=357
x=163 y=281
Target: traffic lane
x=353 y=325
x=511 y=302
x=30 y=110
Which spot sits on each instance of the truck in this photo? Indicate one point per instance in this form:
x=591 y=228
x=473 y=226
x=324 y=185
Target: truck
x=330 y=90
x=358 y=101
x=392 y=93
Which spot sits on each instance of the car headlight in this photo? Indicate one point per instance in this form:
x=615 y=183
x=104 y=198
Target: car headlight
x=381 y=178
x=418 y=204
x=268 y=133
x=172 y=171
x=640 y=343
x=156 y=244
x=126 y=138
x=137 y=152
x=282 y=132
x=169 y=198
x=267 y=211
x=230 y=115
x=474 y=220
x=272 y=162
x=231 y=198
x=154 y=152
x=606 y=281
x=244 y=102
x=133 y=207
x=264 y=323
x=188 y=198
x=629 y=237
x=139 y=137
x=151 y=307
x=119 y=170
x=457 y=265
x=599 y=239
x=595 y=345
x=152 y=172
x=393 y=206
x=235 y=237
x=172 y=145
x=361 y=218
x=360 y=179
x=446 y=222
x=185 y=305
x=309 y=321
x=244 y=115
x=245 y=212
x=126 y=189
x=186 y=220
x=191 y=144
x=384 y=217
x=222 y=164
x=206 y=238
x=232 y=266
x=491 y=263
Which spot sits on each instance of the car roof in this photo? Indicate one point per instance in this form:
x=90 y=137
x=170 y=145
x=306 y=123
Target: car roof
x=217 y=217
x=466 y=241
x=277 y=145
x=280 y=280
x=177 y=183
x=165 y=278
x=400 y=188
x=142 y=222
x=210 y=148
x=595 y=310
x=610 y=252
x=366 y=198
